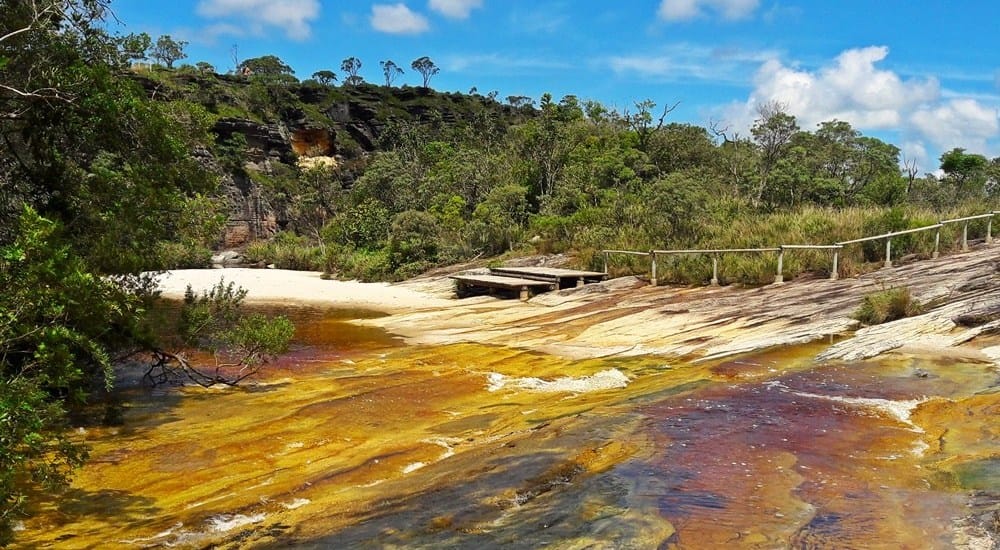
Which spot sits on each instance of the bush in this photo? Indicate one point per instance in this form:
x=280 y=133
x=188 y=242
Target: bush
x=287 y=251
x=361 y=264
x=887 y=305
x=183 y=256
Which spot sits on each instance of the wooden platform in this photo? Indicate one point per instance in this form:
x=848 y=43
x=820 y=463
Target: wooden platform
x=465 y=284
x=525 y=280
x=565 y=278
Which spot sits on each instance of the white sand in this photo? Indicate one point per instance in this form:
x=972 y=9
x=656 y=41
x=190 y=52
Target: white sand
x=301 y=287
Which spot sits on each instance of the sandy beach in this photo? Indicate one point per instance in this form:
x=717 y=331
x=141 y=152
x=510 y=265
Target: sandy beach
x=280 y=286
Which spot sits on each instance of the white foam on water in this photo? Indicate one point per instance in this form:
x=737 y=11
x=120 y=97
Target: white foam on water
x=604 y=380
x=227 y=522
x=160 y=535
x=297 y=503
x=900 y=410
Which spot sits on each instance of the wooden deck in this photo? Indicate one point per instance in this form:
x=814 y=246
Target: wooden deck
x=526 y=281
x=565 y=278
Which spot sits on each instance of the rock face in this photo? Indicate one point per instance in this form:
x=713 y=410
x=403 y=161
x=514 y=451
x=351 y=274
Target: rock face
x=263 y=140
x=251 y=215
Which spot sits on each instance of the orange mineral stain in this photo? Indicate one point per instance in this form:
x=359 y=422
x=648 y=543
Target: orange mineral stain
x=355 y=439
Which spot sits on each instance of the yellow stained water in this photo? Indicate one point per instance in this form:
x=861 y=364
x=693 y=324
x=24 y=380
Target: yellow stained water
x=356 y=440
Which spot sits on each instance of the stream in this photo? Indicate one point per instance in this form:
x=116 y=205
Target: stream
x=356 y=439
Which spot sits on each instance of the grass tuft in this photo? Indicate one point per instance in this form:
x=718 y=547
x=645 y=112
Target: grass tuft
x=887 y=305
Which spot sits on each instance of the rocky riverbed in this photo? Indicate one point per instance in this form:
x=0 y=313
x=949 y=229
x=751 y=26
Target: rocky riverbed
x=613 y=416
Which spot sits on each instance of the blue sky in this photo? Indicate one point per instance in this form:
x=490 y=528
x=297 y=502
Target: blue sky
x=922 y=74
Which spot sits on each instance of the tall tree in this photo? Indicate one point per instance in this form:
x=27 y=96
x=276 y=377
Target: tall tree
x=268 y=65
x=168 y=51
x=136 y=47
x=390 y=70
x=351 y=66
x=426 y=68
x=325 y=77
x=772 y=132
x=966 y=171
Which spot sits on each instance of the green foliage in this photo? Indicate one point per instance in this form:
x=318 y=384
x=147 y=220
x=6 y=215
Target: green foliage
x=887 y=305
x=266 y=66
x=325 y=77
x=56 y=321
x=426 y=68
x=288 y=251
x=168 y=51
x=361 y=264
x=214 y=321
x=413 y=239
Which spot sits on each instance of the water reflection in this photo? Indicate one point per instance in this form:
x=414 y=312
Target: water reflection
x=355 y=440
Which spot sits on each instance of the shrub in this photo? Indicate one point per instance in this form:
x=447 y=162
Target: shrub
x=182 y=256
x=887 y=305
x=287 y=251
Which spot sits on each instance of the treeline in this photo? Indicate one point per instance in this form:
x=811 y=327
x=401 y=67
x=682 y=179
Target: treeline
x=577 y=177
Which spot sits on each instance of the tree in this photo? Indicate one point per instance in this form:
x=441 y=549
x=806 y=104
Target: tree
x=325 y=77
x=772 y=132
x=92 y=176
x=641 y=122
x=205 y=67
x=520 y=101
x=966 y=171
x=136 y=47
x=267 y=66
x=390 y=70
x=426 y=68
x=167 y=50
x=351 y=66
x=214 y=322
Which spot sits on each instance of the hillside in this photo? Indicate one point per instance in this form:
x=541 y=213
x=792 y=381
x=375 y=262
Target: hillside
x=382 y=183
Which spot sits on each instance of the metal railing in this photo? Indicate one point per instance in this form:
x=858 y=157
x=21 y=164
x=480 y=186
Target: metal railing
x=834 y=248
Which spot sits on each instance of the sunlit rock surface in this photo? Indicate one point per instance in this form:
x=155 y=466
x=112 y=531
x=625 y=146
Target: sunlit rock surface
x=631 y=418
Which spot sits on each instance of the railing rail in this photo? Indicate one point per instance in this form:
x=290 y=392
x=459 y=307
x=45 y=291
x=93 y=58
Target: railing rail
x=715 y=250
x=715 y=253
x=891 y=234
x=835 y=248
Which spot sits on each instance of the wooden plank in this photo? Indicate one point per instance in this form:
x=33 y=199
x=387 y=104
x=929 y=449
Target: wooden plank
x=495 y=281
x=550 y=272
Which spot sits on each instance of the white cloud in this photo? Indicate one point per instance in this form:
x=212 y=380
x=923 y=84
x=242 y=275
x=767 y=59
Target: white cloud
x=854 y=89
x=684 y=61
x=851 y=89
x=958 y=123
x=397 y=19
x=683 y=10
x=501 y=64
x=455 y=9
x=292 y=16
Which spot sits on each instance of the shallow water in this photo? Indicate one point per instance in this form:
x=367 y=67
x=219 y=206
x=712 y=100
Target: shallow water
x=357 y=440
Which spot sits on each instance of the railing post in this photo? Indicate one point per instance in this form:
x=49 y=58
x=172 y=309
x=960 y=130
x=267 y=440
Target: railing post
x=779 y=278
x=605 y=263
x=652 y=259
x=965 y=237
x=888 y=252
x=833 y=272
x=937 y=243
x=989 y=230
x=715 y=270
